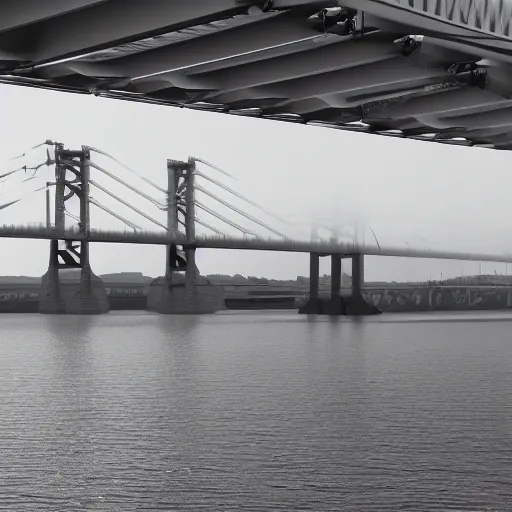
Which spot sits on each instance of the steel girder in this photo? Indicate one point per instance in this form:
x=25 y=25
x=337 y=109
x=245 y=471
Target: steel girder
x=349 y=64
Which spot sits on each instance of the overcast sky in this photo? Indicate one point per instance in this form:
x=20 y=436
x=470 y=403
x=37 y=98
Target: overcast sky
x=410 y=192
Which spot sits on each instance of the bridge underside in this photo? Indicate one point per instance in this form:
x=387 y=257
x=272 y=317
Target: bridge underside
x=349 y=64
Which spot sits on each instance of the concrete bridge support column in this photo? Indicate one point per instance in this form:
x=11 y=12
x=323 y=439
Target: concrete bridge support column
x=61 y=294
x=91 y=297
x=314 y=275
x=357 y=274
x=50 y=297
x=356 y=305
x=313 y=305
x=336 y=306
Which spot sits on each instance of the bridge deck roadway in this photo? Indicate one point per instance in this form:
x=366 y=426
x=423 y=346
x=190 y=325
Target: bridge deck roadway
x=290 y=60
x=251 y=244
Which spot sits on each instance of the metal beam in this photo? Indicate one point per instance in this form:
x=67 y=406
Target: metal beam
x=376 y=78
x=267 y=54
x=488 y=16
x=20 y=13
x=445 y=102
x=342 y=55
x=478 y=120
x=398 y=16
x=116 y=22
x=282 y=29
x=290 y=4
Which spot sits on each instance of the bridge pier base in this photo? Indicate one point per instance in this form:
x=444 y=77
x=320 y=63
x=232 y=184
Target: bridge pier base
x=183 y=293
x=62 y=294
x=356 y=304
x=337 y=305
x=90 y=298
x=179 y=298
x=50 y=296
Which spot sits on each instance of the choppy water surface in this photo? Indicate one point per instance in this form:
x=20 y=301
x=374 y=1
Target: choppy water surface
x=259 y=411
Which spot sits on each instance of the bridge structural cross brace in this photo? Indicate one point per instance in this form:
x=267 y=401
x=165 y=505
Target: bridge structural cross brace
x=181 y=211
x=336 y=304
x=87 y=296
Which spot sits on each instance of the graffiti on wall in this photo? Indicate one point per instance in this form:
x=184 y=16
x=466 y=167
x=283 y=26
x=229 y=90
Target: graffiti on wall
x=19 y=296
x=431 y=299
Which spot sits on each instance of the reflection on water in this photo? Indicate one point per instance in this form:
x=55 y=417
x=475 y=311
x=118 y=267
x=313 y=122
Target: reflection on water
x=259 y=411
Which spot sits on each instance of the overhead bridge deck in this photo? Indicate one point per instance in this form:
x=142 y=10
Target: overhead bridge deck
x=437 y=70
x=323 y=248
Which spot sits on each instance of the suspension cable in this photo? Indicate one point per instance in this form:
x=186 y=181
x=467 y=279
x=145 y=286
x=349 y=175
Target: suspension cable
x=122 y=201
x=240 y=196
x=375 y=236
x=208 y=226
x=148 y=181
x=205 y=162
x=10 y=203
x=114 y=214
x=240 y=212
x=45 y=143
x=6 y=205
x=119 y=180
x=72 y=215
x=25 y=168
x=11 y=172
x=224 y=219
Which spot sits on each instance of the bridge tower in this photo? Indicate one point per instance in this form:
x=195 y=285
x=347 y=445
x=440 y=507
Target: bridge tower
x=182 y=290
x=61 y=294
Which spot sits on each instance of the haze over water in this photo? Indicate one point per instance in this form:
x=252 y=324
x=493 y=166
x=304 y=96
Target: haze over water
x=259 y=411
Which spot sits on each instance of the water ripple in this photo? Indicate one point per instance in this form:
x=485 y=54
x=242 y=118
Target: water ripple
x=255 y=412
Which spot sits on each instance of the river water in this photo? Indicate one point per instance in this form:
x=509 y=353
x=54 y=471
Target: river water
x=259 y=411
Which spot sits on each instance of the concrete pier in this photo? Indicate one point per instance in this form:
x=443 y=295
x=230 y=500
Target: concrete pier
x=313 y=305
x=170 y=296
x=63 y=296
x=64 y=292
x=336 y=305
x=356 y=304
x=184 y=293
x=90 y=298
x=50 y=294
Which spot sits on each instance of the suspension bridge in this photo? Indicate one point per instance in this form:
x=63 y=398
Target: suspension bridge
x=78 y=175
x=434 y=70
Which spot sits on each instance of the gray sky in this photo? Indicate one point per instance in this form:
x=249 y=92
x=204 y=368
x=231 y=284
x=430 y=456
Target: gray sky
x=410 y=192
